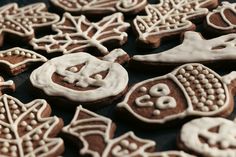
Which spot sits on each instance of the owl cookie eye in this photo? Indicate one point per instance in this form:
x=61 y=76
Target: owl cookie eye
x=159 y=89
x=165 y=102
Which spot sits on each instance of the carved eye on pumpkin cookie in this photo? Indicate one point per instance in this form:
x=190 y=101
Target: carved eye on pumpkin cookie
x=162 y=101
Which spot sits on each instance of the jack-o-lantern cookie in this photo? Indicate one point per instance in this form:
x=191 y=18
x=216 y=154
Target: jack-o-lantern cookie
x=189 y=90
x=77 y=34
x=169 y=18
x=94 y=133
x=222 y=20
x=209 y=137
x=23 y=22
x=99 y=7
x=6 y=86
x=82 y=78
x=17 y=60
x=193 y=49
x=28 y=130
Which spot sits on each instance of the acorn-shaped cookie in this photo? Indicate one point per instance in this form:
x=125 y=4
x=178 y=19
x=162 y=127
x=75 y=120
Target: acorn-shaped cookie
x=189 y=90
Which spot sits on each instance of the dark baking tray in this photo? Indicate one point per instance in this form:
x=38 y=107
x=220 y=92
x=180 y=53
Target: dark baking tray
x=164 y=137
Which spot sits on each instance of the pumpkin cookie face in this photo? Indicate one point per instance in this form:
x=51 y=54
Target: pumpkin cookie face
x=80 y=78
x=190 y=90
x=213 y=137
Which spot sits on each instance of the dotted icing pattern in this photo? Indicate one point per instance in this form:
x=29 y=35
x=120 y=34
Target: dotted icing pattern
x=100 y=6
x=23 y=130
x=76 y=34
x=204 y=91
x=125 y=145
x=23 y=21
x=213 y=137
x=169 y=16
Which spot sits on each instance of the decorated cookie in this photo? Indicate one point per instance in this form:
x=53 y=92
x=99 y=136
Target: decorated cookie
x=97 y=7
x=190 y=90
x=193 y=49
x=169 y=18
x=82 y=78
x=209 y=137
x=27 y=129
x=87 y=127
x=6 y=86
x=17 y=60
x=77 y=34
x=22 y=22
x=223 y=19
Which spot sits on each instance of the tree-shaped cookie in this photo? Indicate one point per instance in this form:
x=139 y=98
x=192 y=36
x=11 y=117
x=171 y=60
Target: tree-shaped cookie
x=27 y=130
x=223 y=19
x=76 y=34
x=193 y=49
x=190 y=90
x=22 y=22
x=17 y=60
x=81 y=78
x=95 y=132
x=6 y=86
x=209 y=137
x=97 y=7
x=169 y=18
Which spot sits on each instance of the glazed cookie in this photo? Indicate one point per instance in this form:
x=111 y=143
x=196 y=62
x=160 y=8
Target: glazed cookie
x=97 y=7
x=17 y=60
x=77 y=34
x=82 y=78
x=22 y=22
x=190 y=90
x=223 y=19
x=209 y=137
x=87 y=127
x=27 y=129
x=193 y=49
x=169 y=18
x=6 y=86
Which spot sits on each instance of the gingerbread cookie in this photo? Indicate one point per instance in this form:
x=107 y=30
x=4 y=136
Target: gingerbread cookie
x=94 y=133
x=190 y=90
x=97 y=7
x=223 y=19
x=22 y=22
x=82 y=78
x=27 y=129
x=17 y=60
x=193 y=49
x=169 y=18
x=77 y=34
x=6 y=86
x=209 y=137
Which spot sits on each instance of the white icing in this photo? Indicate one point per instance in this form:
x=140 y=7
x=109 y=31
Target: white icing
x=159 y=89
x=140 y=101
x=221 y=9
x=157 y=20
x=17 y=143
x=114 y=83
x=190 y=111
x=191 y=131
x=114 y=55
x=105 y=6
x=11 y=14
x=165 y=102
x=87 y=41
x=194 y=49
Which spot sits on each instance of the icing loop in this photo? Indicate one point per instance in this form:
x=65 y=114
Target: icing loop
x=140 y=101
x=165 y=102
x=159 y=89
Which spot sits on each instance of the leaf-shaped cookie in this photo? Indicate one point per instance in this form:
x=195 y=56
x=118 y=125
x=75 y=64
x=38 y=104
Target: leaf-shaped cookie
x=97 y=7
x=22 y=22
x=6 y=86
x=27 y=130
x=223 y=19
x=189 y=90
x=77 y=34
x=169 y=18
x=94 y=134
x=193 y=49
x=17 y=60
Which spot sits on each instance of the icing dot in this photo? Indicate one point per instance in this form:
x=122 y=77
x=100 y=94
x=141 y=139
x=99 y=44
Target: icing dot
x=205 y=109
x=220 y=91
x=98 y=77
x=13 y=148
x=186 y=84
x=201 y=76
x=156 y=112
x=11 y=102
x=28 y=55
x=4 y=150
x=183 y=80
x=198 y=86
x=220 y=102
x=210 y=91
x=186 y=74
x=204 y=81
x=46 y=126
x=6 y=130
x=214 y=80
x=221 y=96
x=42 y=142
x=143 y=89
x=23 y=123
x=209 y=102
x=31 y=115
x=199 y=68
x=124 y=143
x=44 y=20
x=33 y=122
x=6 y=144
x=195 y=72
x=182 y=71
x=211 y=97
x=214 y=107
x=2 y=110
x=28 y=128
x=208 y=86
x=224 y=144
x=2 y=116
x=203 y=99
x=28 y=143
x=189 y=67
x=29 y=149
x=180 y=76
x=210 y=76
x=196 y=81
x=8 y=136
x=217 y=85
x=73 y=69
x=133 y=146
x=36 y=137
x=191 y=78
